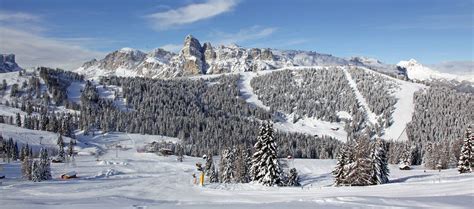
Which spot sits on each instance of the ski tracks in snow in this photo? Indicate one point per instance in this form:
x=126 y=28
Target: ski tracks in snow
x=370 y=115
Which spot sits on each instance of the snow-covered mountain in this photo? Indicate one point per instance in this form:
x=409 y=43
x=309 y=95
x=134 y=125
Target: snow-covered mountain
x=8 y=64
x=377 y=65
x=196 y=58
x=417 y=71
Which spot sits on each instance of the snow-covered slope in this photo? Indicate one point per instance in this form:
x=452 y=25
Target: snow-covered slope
x=127 y=179
x=417 y=71
x=377 y=65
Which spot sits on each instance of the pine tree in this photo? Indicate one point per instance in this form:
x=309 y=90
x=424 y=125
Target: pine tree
x=26 y=168
x=70 y=148
x=61 y=154
x=466 y=158
x=18 y=120
x=293 y=178
x=45 y=165
x=339 y=171
x=213 y=174
x=15 y=153
x=22 y=153
x=265 y=166
x=227 y=166
x=359 y=172
x=36 y=171
x=242 y=165
x=379 y=161
x=209 y=163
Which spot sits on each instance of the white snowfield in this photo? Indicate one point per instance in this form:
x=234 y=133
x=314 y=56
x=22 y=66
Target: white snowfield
x=128 y=179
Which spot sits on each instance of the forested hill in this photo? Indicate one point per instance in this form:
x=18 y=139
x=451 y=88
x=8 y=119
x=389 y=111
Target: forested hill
x=314 y=109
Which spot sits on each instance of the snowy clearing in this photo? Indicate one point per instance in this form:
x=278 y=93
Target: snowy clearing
x=74 y=91
x=145 y=180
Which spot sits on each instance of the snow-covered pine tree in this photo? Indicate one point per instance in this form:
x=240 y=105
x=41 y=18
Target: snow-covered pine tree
x=61 y=153
x=429 y=156
x=227 y=166
x=466 y=157
x=293 y=178
x=15 y=154
x=22 y=153
x=339 y=171
x=26 y=168
x=379 y=163
x=359 y=173
x=213 y=174
x=70 y=148
x=45 y=165
x=18 y=120
x=208 y=165
x=265 y=166
x=242 y=165
x=36 y=171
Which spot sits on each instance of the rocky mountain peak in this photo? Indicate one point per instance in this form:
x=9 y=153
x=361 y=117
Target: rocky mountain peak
x=8 y=64
x=192 y=54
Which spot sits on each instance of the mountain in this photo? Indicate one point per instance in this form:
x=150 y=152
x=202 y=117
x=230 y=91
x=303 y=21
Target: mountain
x=200 y=59
x=8 y=64
x=379 y=66
x=417 y=71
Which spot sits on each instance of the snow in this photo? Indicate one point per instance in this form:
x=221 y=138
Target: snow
x=10 y=111
x=404 y=108
x=74 y=91
x=34 y=138
x=128 y=50
x=370 y=115
x=146 y=180
x=344 y=115
x=312 y=126
x=307 y=125
x=417 y=71
x=109 y=93
x=246 y=90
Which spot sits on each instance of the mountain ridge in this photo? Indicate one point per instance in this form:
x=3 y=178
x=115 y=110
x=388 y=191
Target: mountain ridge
x=201 y=59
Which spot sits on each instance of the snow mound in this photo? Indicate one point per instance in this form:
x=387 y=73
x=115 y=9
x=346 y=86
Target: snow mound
x=108 y=173
x=105 y=162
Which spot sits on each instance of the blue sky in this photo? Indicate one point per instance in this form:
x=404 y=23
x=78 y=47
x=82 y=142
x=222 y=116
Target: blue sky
x=66 y=33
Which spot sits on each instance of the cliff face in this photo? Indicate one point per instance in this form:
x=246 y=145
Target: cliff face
x=8 y=64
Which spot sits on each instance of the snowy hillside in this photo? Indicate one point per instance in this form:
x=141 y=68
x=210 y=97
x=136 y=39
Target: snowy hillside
x=417 y=71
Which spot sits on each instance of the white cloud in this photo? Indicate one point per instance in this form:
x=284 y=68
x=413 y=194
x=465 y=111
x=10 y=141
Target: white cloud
x=20 y=34
x=18 y=16
x=455 y=67
x=243 y=35
x=172 y=47
x=190 y=13
x=35 y=50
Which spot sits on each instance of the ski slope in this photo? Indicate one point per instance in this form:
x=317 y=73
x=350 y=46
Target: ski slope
x=306 y=125
x=370 y=115
x=128 y=179
x=404 y=108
